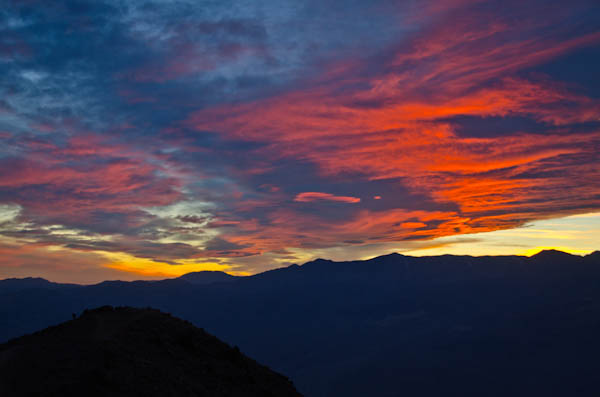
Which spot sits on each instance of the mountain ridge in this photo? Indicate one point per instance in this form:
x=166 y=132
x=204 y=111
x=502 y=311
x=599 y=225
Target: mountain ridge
x=338 y=328
x=213 y=276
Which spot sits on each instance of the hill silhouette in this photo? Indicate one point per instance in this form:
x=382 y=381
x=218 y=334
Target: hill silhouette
x=18 y=284
x=387 y=326
x=207 y=277
x=552 y=255
x=131 y=352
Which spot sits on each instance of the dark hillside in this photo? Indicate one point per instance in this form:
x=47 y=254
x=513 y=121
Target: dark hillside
x=131 y=352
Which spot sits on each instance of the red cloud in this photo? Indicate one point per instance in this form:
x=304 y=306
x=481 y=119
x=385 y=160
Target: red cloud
x=317 y=196
x=392 y=124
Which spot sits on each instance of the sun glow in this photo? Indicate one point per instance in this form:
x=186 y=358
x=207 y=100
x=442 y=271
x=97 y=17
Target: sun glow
x=149 y=268
x=576 y=234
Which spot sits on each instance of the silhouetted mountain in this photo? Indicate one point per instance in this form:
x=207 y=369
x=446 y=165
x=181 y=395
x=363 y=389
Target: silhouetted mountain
x=17 y=284
x=552 y=255
x=131 y=352
x=388 y=326
x=593 y=256
x=207 y=277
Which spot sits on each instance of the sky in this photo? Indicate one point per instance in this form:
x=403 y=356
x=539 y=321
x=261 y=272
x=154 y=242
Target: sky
x=148 y=139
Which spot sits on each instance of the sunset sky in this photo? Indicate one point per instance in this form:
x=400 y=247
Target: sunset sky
x=147 y=139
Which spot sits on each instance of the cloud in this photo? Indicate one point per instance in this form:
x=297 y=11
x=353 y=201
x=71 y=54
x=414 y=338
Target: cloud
x=223 y=132
x=392 y=123
x=8 y=212
x=306 y=197
x=413 y=225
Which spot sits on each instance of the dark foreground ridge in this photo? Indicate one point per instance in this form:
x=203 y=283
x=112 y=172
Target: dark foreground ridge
x=390 y=326
x=131 y=352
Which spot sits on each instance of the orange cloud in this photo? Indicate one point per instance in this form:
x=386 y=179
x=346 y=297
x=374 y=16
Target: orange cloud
x=306 y=197
x=388 y=128
x=413 y=225
x=394 y=124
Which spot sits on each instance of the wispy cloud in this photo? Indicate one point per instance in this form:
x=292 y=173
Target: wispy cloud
x=318 y=196
x=250 y=135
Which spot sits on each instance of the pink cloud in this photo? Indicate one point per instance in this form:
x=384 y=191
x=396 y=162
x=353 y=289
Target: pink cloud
x=306 y=197
x=85 y=176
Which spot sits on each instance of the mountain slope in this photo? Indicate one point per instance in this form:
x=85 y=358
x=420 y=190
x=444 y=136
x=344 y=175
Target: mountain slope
x=388 y=326
x=131 y=352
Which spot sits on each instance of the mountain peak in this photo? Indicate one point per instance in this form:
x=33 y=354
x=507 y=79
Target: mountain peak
x=595 y=254
x=551 y=254
x=393 y=255
x=207 y=277
x=318 y=261
x=126 y=351
x=18 y=284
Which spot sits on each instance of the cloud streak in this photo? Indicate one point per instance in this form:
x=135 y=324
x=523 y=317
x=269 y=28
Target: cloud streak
x=249 y=136
x=306 y=197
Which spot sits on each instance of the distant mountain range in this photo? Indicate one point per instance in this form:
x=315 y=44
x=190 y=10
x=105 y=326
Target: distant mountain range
x=131 y=352
x=389 y=326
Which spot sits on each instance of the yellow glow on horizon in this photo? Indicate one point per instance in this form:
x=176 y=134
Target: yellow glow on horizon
x=575 y=234
x=536 y=250
x=149 y=268
x=578 y=234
